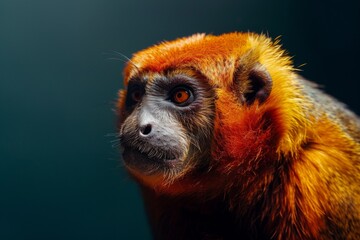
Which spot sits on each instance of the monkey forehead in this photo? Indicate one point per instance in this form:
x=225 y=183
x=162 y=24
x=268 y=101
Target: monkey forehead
x=199 y=51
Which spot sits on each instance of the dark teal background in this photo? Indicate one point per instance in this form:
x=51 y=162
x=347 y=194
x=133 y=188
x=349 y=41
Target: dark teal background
x=60 y=177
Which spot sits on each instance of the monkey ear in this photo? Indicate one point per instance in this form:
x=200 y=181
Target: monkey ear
x=253 y=83
x=260 y=84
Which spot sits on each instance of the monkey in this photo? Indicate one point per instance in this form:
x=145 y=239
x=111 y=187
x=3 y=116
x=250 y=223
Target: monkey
x=227 y=141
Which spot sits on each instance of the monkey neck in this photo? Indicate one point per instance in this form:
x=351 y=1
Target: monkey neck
x=268 y=203
x=190 y=217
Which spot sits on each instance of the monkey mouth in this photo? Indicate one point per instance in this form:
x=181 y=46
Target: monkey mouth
x=149 y=159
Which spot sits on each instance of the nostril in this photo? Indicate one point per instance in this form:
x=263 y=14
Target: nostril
x=145 y=130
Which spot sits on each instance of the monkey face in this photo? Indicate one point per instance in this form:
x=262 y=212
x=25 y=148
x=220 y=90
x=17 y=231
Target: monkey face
x=166 y=124
x=197 y=106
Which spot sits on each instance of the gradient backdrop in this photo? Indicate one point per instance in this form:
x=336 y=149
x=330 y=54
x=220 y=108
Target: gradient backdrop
x=60 y=177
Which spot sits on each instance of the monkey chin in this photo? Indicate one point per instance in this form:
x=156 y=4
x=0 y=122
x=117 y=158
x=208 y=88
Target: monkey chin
x=153 y=171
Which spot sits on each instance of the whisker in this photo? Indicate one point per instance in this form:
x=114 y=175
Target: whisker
x=118 y=59
x=125 y=59
x=115 y=140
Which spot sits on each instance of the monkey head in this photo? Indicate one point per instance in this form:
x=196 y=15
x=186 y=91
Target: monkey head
x=196 y=106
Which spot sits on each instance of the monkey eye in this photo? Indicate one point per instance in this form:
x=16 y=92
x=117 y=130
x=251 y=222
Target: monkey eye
x=181 y=96
x=136 y=95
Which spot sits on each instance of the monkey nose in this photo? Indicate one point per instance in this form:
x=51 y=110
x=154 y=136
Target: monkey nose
x=145 y=130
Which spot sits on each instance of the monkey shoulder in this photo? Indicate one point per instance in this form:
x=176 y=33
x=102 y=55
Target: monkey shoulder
x=324 y=105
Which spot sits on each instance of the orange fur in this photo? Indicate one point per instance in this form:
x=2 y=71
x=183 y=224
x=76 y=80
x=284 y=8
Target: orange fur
x=289 y=165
